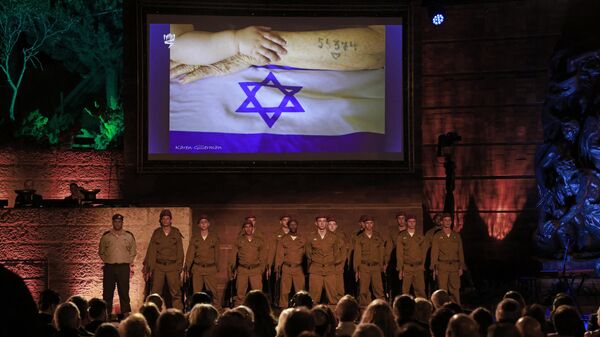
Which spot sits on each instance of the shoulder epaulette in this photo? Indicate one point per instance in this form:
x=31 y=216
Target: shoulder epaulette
x=105 y=233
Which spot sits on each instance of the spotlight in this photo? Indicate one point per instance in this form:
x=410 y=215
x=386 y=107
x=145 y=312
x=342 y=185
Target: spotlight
x=436 y=12
x=437 y=19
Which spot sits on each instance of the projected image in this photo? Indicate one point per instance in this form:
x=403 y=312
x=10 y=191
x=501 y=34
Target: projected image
x=260 y=89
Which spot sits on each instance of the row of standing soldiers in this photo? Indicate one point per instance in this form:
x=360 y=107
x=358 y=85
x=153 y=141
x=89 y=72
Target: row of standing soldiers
x=337 y=263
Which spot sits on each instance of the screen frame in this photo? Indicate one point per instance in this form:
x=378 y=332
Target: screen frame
x=143 y=9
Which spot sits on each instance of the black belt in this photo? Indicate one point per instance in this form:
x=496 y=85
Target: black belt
x=165 y=262
x=206 y=265
x=249 y=266
x=414 y=264
x=370 y=264
x=450 y=261
x=292 y=265
x=321 y=264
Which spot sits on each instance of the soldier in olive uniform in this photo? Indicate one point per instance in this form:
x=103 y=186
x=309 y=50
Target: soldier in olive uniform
x=429 y=282
x=248 y=261
x=343 y=244
x=164 y=258
x=202 y=259
x=117 y=251
x=369 y=262
x=322 y=253
x=410 y=257
x=288 y=262
x=394 y=283
x=447 y=258
x=272 y=243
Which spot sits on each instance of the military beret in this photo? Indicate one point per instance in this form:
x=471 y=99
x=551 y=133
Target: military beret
x=400 y=214
x=117 y=216
x=331 y=218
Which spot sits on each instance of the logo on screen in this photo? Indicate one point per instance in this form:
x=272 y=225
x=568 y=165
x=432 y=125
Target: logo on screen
x=270 y=114
x=169 y=39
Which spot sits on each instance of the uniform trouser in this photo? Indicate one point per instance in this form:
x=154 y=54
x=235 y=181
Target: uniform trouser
x=416 y=278
x=449 y=280
x=210 y=282
x=116 y=275
x=339 y=282
x=289 y=276
x=316 y=282
x=245 y=276
x=369 y=277
x=173 y=283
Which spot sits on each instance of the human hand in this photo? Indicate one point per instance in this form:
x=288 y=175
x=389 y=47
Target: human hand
x=460 y=272
x=260 y=42
x=357 y=276
x=400 y=274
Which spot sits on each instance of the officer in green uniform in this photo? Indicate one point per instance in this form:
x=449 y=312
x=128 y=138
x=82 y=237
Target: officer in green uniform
x=322 y=253
x=164 y=258
x=117 y=251
x=202 y=259
x=344 y=251
x=447 y=258
x=369 y=262
x=410 y=257
x=248 y=261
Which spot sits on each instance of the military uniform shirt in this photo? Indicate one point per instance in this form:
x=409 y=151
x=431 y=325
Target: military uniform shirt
x=322 y=253
x=290 y=250
x=165 y=248
x=203 y=251
x=117 y=248
x=369 y=250
x=410 y=252
x=249 y=253
x=446 y=248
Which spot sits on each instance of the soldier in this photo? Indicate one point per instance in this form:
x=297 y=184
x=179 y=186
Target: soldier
x=394 y=283
x=117 y=251
x=202 y=259
x=272 y=248
x=164 y=258
x=369 y=262
x=410 y=254
x=343 y=244
x=429 y=282
x=447 y=258
x=248 y=263
x=322 y=253
x=288 y=262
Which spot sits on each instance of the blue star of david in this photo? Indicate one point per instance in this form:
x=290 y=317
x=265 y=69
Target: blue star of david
x=289 y=103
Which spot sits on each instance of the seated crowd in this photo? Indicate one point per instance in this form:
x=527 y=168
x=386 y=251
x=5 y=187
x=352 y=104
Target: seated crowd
x=407 y=317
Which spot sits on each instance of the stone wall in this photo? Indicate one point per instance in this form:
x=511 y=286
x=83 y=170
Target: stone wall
x=67 y=240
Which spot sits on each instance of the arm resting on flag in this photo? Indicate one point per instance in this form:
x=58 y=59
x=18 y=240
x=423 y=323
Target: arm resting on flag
x=204 y=48
x=338 y=49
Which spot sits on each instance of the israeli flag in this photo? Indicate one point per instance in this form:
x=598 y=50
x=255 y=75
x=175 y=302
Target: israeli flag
x=279 y=109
